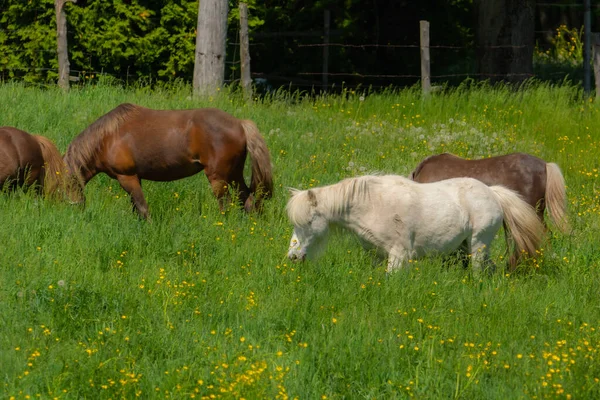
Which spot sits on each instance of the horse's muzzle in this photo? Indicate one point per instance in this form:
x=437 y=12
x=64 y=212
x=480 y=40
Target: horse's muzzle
x=296 y=257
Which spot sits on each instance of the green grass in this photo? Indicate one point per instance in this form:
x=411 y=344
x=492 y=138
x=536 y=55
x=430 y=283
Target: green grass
x=95 y=303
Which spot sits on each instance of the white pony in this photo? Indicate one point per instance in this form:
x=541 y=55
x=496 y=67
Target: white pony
x=406 y=220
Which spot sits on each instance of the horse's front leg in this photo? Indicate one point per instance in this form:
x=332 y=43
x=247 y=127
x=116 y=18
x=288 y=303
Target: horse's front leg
x=133 y=185
x=396 y=261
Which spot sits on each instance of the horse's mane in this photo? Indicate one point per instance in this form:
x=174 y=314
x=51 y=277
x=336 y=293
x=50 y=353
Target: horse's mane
x=333 y=200
x=85 y=145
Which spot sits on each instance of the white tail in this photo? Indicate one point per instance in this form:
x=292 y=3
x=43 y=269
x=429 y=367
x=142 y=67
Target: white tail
x=556 y=197
x=522 y=222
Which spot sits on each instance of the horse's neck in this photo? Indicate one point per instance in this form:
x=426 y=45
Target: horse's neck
x=89 y=173
x=341 y=215
x=86 y=172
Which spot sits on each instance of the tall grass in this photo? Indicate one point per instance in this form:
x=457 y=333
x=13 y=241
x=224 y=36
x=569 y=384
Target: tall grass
x=98 y=304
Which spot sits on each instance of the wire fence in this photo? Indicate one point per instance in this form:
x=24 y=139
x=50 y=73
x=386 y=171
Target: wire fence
x=327 y=77
x=304 y=79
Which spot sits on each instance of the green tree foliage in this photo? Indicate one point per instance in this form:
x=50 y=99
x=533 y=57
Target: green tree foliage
x=178 y=22
x=120 y=35
x=28 y=40
x=126 y=39
x=151 y=39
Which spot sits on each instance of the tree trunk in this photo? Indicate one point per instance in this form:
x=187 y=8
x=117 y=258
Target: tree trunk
x=61 y=40
x=245 y=78
x=209 y=66
x=505 y=39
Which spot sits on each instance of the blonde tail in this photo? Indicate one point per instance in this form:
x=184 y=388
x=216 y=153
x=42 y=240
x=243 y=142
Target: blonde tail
x=521 y=221
x=556 y=197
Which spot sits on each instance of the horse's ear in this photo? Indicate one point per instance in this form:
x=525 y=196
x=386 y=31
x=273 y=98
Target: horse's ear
x=292 y=191
x=312 y=198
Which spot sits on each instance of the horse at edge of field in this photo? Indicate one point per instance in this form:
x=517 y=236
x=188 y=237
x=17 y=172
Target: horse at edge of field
x=131 y=143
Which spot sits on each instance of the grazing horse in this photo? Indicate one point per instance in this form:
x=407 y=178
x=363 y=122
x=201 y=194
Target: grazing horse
x=131 y=143
x=405 y=220
x=27 y=160
x=540 y=183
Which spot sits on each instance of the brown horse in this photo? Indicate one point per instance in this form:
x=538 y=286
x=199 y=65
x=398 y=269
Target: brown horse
x=131 y=143
x=541 y=184
x=27 y=160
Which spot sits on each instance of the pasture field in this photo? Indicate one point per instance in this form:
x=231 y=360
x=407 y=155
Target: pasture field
x=95 y=303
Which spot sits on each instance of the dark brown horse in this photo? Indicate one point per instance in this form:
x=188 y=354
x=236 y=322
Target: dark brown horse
x=27 y=160
x=131 y=143
x=541 y=184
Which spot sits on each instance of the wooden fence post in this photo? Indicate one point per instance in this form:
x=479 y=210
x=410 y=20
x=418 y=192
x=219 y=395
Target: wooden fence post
x=596 y=51
x=425 y=61
x=587 y=48
x=61 y=40
x=246 y=80
x=326 y=25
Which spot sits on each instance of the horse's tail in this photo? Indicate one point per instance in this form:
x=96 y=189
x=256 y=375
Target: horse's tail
x=53 y=172
x=262 y=176
x=556 y=197
x=521 y=222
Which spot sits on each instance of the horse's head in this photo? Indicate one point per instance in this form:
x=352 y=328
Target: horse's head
x=74 y=181
x=310 y=225
x=73 y=186
x=296 y=252
x=74 y=191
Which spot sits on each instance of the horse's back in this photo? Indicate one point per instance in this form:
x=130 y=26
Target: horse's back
x=445 y=166
x=441 y=215
x=220 y=130
x=201 y=128
x=433 y=168
x=165 y=145
x=521 y=172
x=435 y=202
x=19 y=153
x=461 y=190
x=475 y=199
x=132 y=122
x=23 y=144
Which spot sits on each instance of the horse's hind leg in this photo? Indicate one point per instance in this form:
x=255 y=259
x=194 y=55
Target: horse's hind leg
x=461 y=256
x=223 y=180
x=540 y=208
x=35 y=178
x=132 y=185
x=220 y=189
x=480 y=256
x=30 y=177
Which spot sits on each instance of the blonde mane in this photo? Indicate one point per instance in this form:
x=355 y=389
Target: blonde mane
x=85 y=145
x=332 y=200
